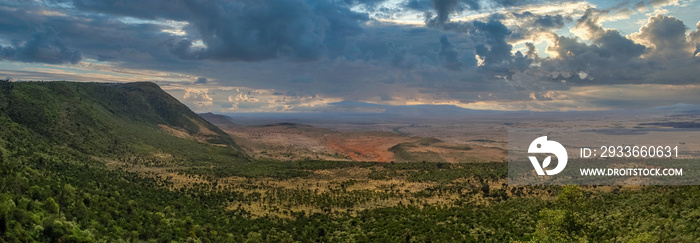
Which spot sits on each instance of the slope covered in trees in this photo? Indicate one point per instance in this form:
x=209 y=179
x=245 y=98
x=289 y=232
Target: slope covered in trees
x=110 y=120
x=58 y=183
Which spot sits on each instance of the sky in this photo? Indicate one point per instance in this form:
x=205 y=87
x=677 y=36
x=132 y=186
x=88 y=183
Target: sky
x=239 y=56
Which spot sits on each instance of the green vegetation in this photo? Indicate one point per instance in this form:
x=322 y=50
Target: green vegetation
x=112 y=120
x=80 y=164
x=273 y=169
x=402 y=153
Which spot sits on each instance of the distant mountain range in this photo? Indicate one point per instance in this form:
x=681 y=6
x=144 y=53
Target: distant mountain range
x=452 y=109
x=409 y=110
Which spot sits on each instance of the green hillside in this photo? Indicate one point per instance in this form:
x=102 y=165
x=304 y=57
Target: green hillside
x=112 y=120
x=56 y=139
x=88 y=162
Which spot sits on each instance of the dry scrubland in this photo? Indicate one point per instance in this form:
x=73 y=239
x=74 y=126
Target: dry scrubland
x=289 y=142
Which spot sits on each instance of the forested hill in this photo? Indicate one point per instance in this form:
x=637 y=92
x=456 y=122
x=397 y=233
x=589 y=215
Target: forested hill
x=99 y=118
x=69 y=154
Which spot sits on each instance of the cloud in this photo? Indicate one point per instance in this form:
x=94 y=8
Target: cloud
x=659 y=53
x=492 y=40
x=489 y=41
x=449 y=55
x=299 y=50
x=662 y=3
x=241 y=30
x=599 y=97
x=665 y=37
x=200 y=98
x=96 y=36
x=695 y=39
x=239 y=99
x=494 y=49
x=251 y=30
x=366 y=3
x=608 y=53
x=43 y=47
x=420 y=5
x=442 y=8
x=510 y=3
x=532 y=26
x=201 y=80
x=531 y=51
x=146 y=9
x=302 y=79
x=601 y=59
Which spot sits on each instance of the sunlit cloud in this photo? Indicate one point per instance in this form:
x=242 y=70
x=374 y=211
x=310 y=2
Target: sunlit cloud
x=88 y=71
x=597 y=98
x=246 y=100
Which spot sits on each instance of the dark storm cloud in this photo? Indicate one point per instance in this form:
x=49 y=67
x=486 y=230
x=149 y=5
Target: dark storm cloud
x=309 y=47
x=609 y=43
x=521 y=62
x=98 y=36
x=529 y=25
x=447 y=7
x=489 y=40
x=494 y=49
x=146 y=9
x=302 y=79
x=510 y=3
x=244 y=30
x=366 y=3
x=176 y=9
x=43 y=47
x=443 y=8
x=541 y=21
x=613 y=45
x=449 y=55
x=602 y=60
x=255 y=30
x=419 y=5
x=403 y=47
x=607 y=58
x=402 y=58
x=531 y=51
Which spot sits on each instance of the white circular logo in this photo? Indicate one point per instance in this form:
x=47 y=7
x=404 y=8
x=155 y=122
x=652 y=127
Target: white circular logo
x=541 y=146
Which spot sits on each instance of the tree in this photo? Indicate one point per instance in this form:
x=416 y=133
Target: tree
x=564 y=224
x=51 y=206
x=571 y=198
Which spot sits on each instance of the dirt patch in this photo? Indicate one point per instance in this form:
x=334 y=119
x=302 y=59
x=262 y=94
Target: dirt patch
x=176 y=132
